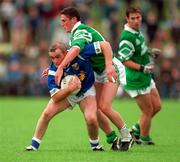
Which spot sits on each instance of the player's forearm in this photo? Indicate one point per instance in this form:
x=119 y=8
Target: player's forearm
x=132 y=65
x=61 y=95
x=148 y=69
x=72 y=53
x=107 y=52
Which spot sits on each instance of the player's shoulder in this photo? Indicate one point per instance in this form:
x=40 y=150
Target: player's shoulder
x=83 y=27
x=52 y=70
x=80 y=27
x=127 y=35
x=52 y=67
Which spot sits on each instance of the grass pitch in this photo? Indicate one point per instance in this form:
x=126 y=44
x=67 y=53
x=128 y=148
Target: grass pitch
x=66 y=139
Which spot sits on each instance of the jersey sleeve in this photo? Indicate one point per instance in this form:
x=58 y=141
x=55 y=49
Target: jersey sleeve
x=90 y=50
x=53 y=88
x=80 y=38
x=126 y=50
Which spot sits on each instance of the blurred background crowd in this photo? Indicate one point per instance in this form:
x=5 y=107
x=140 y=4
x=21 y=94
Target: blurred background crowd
x=28 y=27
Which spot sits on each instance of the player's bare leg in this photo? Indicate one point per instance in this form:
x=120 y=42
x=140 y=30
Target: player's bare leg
x=145 y=104
x=156 y=101
x=49 y=112
x=104 y=122
x=105 y=95
x=89 y=108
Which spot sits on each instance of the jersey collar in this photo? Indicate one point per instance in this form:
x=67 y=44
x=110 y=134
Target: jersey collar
x=76 y=25
x=126 y=27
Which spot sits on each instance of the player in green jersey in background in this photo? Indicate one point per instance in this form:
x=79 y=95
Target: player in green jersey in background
x=135 y=55
x=80 y=35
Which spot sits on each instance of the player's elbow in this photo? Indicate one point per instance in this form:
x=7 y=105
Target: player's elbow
x=75 y=50
x=105 y=44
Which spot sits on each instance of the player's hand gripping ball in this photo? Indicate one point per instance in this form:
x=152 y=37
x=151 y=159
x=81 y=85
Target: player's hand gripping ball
x=65 y=82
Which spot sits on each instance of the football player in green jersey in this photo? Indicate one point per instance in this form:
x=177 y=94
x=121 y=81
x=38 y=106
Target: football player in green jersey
x=102 y=63
x=135 y=55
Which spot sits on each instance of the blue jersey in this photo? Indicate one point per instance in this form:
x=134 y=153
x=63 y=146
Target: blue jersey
x=80 y=66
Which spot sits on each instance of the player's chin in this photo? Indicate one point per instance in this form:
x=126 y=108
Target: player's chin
x=67 y=30
x=57 y=65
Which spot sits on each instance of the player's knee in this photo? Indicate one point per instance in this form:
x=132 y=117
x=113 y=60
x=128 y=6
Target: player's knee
x=148 y=111
x=91 y=119
x=47 y=115
x=104 y=108
x=157 y=108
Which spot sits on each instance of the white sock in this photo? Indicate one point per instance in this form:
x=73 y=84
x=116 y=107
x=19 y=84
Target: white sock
x=36 y=139
x=125 y=132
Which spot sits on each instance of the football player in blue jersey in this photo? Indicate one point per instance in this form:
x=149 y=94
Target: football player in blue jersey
x=61 y=99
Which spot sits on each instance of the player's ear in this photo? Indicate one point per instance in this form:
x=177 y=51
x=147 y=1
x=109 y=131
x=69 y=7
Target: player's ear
x=74 y=19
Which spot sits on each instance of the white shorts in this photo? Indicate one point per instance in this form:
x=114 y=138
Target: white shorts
x=135 y=93
x=101 y=78
x=120 y=70
x=73 y=99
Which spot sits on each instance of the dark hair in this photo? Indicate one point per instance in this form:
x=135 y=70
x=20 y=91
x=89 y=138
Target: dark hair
x=132 y=10
x=71 y=12
x=58 y=45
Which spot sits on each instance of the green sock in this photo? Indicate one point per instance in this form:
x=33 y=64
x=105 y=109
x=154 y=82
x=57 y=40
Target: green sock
x=145 y=138
x=136 y=130
x=111 y=137
x=136 y=127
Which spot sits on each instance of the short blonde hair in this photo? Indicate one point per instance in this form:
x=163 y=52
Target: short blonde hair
x=58 y=45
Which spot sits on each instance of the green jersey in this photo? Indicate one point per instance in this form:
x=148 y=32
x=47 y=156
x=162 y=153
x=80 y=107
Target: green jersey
x=82 y=34
x=132 y=47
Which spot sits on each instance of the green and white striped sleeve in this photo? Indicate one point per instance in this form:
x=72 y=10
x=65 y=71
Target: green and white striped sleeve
x=126 y=50
x=80 y=38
